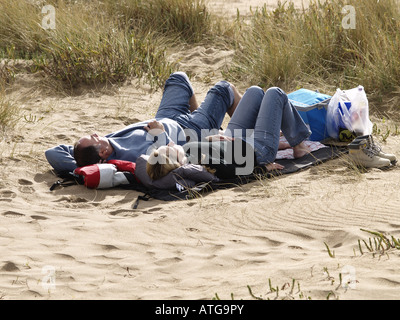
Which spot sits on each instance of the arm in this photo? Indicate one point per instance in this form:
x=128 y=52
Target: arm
x=61 y=158
x=219 y=137
x=156 y=129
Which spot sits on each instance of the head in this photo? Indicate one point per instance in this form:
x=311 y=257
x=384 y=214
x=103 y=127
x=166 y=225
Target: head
x=165 y=159
x=91 y=149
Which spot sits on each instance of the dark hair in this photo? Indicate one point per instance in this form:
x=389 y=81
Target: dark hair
x=86 y=156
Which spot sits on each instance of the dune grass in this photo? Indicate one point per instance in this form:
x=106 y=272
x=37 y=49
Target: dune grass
x=188 y=21
x=110 y=41
x=101 y=42
x=7 y=74
x=289 y=48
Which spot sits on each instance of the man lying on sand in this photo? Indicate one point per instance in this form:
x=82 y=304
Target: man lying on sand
x=179 y=116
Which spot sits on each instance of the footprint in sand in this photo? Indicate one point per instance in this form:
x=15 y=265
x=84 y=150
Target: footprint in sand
x=239 y=201
x=7 y=195
x=150 y=211
x=123 y=213
x=25 y=186
x=62 y=137
x=72 y=199
x=108 y=247
x=36 y=217
x=25 y=182
x=167 y=261
x=12 y=214
x=9 y=267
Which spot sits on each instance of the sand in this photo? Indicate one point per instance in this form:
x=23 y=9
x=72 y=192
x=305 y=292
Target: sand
x=76 y=243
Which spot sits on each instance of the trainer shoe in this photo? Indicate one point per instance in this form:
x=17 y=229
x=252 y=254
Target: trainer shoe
x=377 y=148
x=362 y=154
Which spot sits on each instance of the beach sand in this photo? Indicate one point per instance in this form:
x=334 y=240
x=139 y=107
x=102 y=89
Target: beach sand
x=76 y=243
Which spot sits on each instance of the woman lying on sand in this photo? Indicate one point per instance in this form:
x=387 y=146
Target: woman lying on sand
x=252 y=139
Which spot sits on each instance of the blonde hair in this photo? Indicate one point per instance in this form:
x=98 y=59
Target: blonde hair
x=159 y=165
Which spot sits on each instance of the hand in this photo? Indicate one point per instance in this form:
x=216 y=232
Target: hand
x=274 y=166
x=155 y=128
x=219 y=137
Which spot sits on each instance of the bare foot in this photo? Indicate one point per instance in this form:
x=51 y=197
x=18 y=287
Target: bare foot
x=283 y=145
x=237 y=98
x=301 y=150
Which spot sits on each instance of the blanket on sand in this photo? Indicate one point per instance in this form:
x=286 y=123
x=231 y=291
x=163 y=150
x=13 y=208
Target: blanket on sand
x=291 y=166
x=321 y=153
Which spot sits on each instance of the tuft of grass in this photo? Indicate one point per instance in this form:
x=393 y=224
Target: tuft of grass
x=104 y=58
x=21 y=34
x=331 y=253
x=7 y=74
x=379 y=243
x=385 y=128
x=287 y=47
x=190 y=21
x=87 y=46
x=283 y=292
x=100 y=42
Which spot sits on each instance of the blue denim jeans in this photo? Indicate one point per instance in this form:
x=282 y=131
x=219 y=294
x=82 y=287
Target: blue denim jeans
x=210 y=114
x=267 y=113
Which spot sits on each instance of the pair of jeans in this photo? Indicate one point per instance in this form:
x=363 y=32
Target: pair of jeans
x=267 y=113
x=210 y=114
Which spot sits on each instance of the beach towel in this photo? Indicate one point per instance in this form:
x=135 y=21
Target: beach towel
x=288 y=153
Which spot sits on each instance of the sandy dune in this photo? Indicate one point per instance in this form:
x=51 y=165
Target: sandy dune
x=231 y=8
x=75 y=243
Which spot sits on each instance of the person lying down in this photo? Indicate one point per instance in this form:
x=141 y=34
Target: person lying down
x=252 y=139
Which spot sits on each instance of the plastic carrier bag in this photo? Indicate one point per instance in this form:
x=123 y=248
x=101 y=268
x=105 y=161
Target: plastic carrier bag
x=348 y=109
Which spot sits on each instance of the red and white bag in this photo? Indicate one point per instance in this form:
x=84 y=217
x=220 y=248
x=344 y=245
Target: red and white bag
x=108 y=175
